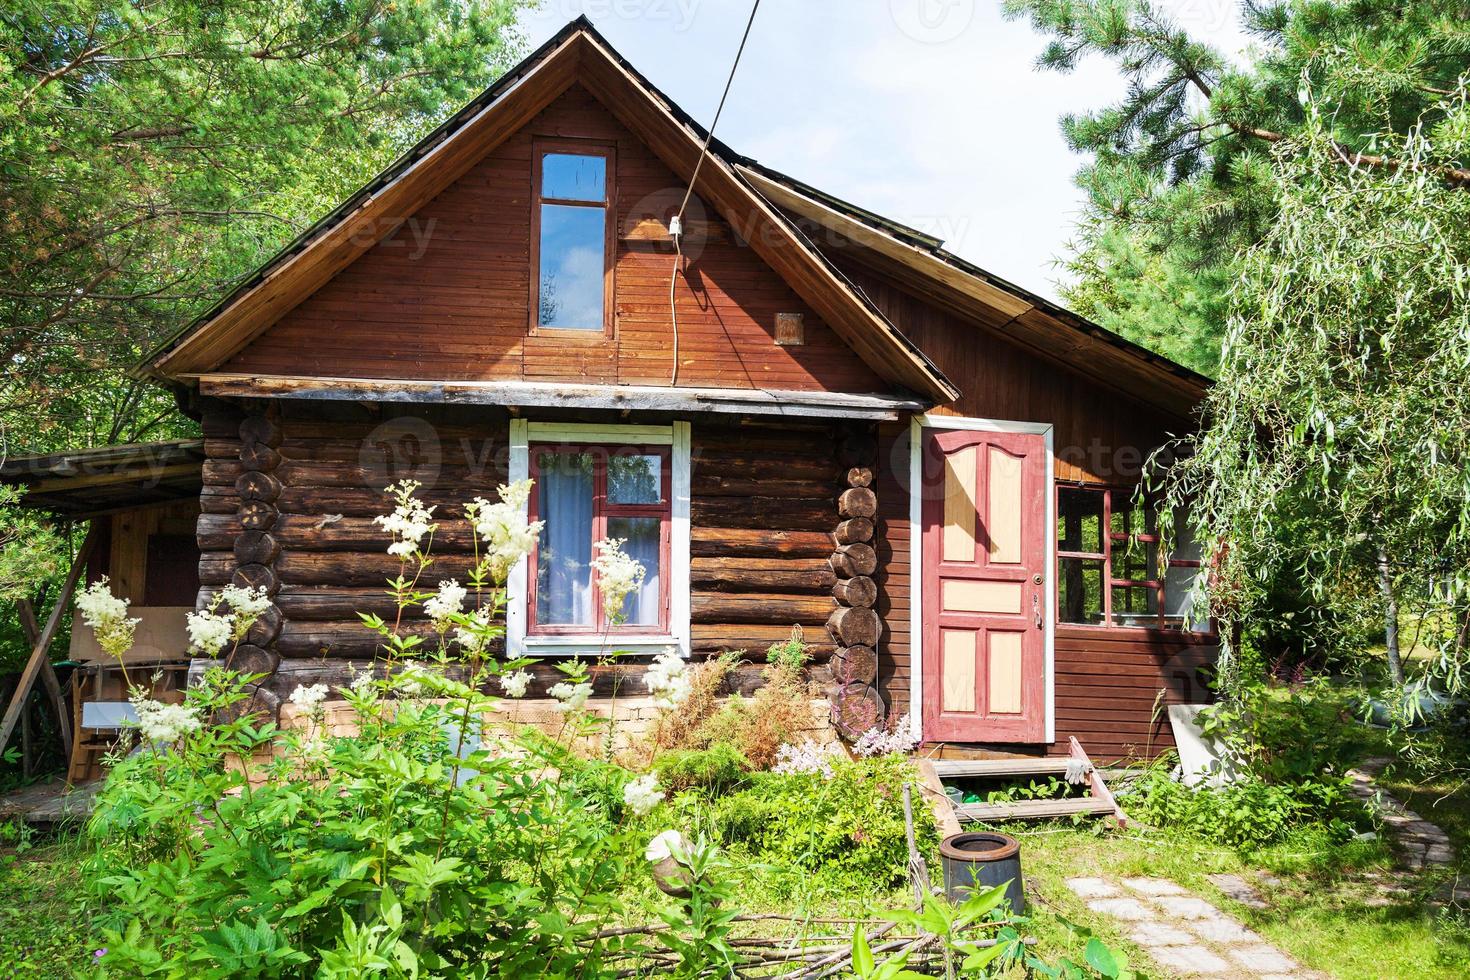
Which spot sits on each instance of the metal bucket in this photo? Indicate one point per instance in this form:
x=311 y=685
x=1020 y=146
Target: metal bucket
x=981 y=859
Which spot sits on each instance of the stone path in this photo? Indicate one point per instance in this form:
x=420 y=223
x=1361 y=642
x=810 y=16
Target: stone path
x=1182 y=932
x=1420 y=843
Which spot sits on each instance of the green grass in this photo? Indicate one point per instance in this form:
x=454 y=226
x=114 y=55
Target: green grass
x=1318 y=911
x=43 y=930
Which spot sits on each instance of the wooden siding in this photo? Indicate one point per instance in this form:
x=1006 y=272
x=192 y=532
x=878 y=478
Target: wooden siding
x=1099 y=437
x=460 y=309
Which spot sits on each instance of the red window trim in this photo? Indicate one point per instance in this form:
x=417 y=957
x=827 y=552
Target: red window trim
x=1109 y=538
x=601 y=511
x=540 y=146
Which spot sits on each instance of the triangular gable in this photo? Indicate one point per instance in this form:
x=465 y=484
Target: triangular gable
x=577 y=53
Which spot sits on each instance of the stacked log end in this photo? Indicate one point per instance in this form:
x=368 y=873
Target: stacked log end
x=854 y=625
x=256 y=549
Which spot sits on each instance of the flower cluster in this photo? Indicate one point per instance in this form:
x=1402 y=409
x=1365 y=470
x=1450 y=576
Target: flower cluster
x=879 y=741
x=668 y=680
x=618 y=575
x=447 y=602
x=210 y=629
x=108 y=617
x=809 y=757
x=163 y=724
x=502 y=527
x=475 y=636
x=571 y=696
x=248 y=603
x=410 y=520
x=309 y=699
x=515 y=684
x=641 y=795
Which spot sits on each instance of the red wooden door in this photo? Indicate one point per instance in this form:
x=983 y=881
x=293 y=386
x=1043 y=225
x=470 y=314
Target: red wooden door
x=984 y=567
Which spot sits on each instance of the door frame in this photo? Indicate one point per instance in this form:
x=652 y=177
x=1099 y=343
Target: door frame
x=917 y=425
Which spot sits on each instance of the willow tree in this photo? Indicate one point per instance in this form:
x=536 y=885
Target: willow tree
x=1336 y=443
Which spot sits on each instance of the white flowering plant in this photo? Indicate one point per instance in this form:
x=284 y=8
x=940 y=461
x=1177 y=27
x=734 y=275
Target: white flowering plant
x=108 y=616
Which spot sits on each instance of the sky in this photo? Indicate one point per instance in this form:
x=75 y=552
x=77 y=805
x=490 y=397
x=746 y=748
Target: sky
x=930 y=112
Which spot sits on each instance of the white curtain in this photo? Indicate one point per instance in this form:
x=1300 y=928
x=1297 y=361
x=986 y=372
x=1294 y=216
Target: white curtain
x=563 y=572
x=641 y=542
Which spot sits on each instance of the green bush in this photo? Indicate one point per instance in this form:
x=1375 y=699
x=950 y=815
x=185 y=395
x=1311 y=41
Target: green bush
x=1286 y=735
x=1249 y=814
x=382 y=853
x=849 y=824
x=717 y=769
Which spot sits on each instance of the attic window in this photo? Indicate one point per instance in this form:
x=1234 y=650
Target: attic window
x=571 y=262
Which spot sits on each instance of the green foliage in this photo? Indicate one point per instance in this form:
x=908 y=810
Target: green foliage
x=1286 y=735
x=1291 y=748
x=152 y=154
x=1247 y=814
x=1336 y=444
x=1179 y=181
x=717 y=769
x=790 y=654
x=849 y=825
x=386 y=851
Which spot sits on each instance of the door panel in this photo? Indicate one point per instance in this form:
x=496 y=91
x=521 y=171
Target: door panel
x=984 y=568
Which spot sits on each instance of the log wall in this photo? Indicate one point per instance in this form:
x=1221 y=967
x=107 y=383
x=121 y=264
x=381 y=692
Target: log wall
x=291 y=489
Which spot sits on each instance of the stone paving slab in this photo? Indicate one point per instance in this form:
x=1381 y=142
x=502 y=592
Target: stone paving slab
x=1183 y=933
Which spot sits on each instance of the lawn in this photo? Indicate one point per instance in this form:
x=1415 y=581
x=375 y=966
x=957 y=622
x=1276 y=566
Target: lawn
x=1317 y=896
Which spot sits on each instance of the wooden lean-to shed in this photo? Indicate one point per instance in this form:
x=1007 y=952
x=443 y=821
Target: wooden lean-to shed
x=834 y=424
x=135 y=510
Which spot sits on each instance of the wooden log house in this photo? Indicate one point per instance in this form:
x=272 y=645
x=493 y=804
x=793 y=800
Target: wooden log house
x=798 y=413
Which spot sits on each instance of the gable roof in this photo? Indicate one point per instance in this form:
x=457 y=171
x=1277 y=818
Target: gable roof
x=733 y=185
x=576 y=53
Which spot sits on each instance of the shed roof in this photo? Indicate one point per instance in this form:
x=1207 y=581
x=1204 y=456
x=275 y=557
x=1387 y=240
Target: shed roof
x=86 y=482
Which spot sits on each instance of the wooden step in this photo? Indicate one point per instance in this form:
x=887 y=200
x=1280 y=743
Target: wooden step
x=999 y=768
x=1031 y=809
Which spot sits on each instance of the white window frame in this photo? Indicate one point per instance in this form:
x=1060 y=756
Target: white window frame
x=676 y=436
x=917 y=424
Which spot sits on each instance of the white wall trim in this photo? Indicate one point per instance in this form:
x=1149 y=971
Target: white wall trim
x=916 y=552
x=677 y=437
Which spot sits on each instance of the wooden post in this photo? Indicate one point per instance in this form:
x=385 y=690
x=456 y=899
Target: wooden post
x=28 y=622
x=39 y=665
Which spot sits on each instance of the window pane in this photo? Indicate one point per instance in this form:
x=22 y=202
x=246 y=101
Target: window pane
x=1079 y=520
x=574 y=177
x=635 y=479
x=572 y=267
x=641 y=538
x=1080 y=590
x=563 y=572
x=1135 y=605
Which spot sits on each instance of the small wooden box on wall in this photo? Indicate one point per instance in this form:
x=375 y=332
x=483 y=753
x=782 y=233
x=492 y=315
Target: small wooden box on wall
x=789 y=330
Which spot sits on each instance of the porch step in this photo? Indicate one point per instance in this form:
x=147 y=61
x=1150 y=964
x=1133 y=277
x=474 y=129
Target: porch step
x=1100 y=801
x=1031 y=809
x=999 y=768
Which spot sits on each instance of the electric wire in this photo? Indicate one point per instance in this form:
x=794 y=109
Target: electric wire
x=678 y=221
